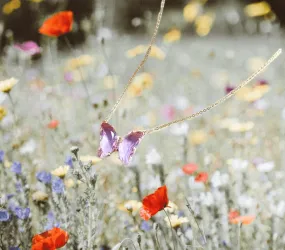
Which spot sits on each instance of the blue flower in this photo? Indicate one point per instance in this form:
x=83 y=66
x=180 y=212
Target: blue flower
x=9 y=196
x=51 y=222
x=19 y=187
x=145 y=226
x=57 y=186
x=4 y=215
x=2 y=154
x=16 y=167
x=44 y=177
x=22 y=213
x=181 y=214
x=14 y=248
x=68 y=161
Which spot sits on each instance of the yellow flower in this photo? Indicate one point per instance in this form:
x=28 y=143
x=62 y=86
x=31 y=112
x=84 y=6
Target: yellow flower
x=60 y=171
x=241 y=127
x=36 y=1
x=198 y=137
x=204 y=24
x=141 y=82
x=7 y=85
x=171 y=207
x=69 y=183
x=155 y=52
x=172 y=36
x=110 y=82
x=130 y=206
x=88 y=158
x=40 y=196
x=257 y=9
x=191 y=11
x=9 y=7
x=251 y=94
x=77 y=62
x=175 y=220
x=7 y=164
x=3 y=112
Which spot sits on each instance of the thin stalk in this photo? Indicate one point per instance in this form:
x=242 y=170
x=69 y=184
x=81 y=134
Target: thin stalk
x=89 y=226
x=13 y=108
x=128 y=239
x=79 y=68
x=192 y=212
x=239 y=236
x=157 y=241
x=173 y=236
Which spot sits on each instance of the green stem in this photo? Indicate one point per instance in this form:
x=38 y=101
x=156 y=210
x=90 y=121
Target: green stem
x=173 y=236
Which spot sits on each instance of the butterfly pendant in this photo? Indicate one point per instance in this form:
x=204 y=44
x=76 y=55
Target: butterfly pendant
x=110 y=142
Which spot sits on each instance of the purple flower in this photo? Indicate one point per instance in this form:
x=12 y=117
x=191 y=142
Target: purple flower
x=262 y=82
x=14 y=248
x=19 y=187
x=4 y=215
x=16 y=167
x=2 y=154
x=181 y=214
x=229 y=88
x=44 y=177
x=145 y=226
x=68 y=77
x=29 y=47
x=9 y=196
x=51 y=223
x=68 y=161
x=57 y=186
x=22 y=213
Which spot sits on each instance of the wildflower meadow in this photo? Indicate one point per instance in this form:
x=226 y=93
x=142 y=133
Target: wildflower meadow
x=169 y=138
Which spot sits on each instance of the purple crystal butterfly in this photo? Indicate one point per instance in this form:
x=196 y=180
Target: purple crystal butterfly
x=111 y=142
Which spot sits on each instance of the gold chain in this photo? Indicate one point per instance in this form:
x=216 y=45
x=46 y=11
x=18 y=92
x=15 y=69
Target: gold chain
x=220 y=101
x=142 y=62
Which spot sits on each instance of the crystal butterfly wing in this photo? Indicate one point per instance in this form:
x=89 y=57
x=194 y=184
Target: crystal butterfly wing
x=128 y=146
x=108 y=140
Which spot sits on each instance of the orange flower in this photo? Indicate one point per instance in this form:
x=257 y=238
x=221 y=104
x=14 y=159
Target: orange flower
x=53 y=124
x=245 y=220
x=51 y=240
x=154 y=203
x=58 y=24
x=189 y=168
x=233 y=214
x=202 y=177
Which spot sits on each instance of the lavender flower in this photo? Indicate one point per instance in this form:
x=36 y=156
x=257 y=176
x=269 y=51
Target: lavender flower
x=44 y=177
x=19 y=187
x=22 y=213
x=16 y=168
x=57 y=185
x=4 y=215
x=2 y=154
x=51 y=222
x=145 y=226
x=68 y=161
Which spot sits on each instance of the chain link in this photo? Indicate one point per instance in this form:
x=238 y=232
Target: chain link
x=220 y=101
x=142 y=62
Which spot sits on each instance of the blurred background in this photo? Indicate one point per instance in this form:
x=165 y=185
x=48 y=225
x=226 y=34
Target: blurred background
x=20 y=19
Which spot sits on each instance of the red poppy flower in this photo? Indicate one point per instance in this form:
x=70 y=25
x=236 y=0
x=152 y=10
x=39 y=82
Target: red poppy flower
x=58 y=24
x=202 y=177
x=53 y=124
x=50 y=240
x=245 y=220
x=233 y=214
x=189 y=168
x=153 y=203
